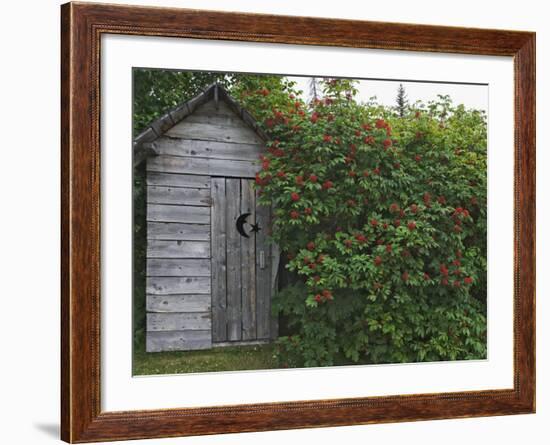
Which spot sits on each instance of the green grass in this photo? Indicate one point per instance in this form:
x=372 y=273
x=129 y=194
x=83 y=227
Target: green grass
x=219 y=359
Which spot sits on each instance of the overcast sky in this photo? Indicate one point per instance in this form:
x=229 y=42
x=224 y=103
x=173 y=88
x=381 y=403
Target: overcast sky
x=472 y=96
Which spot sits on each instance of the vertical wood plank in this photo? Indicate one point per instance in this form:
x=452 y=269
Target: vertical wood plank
x=233 y=197
x=219 y=276
x=248 y=263
x=263 y=274
x=275 y=260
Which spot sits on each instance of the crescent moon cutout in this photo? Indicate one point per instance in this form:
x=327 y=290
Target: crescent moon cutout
x=240 y=222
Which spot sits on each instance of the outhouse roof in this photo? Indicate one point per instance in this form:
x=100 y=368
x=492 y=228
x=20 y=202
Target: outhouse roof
x=143 y=143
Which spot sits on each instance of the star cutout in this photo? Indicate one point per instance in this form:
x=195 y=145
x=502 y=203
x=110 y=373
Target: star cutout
x=255 y=228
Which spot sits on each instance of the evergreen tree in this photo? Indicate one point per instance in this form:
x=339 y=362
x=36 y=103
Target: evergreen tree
x=402 y=101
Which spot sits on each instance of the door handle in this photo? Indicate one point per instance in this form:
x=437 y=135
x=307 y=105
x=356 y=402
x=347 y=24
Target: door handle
x=262 y=259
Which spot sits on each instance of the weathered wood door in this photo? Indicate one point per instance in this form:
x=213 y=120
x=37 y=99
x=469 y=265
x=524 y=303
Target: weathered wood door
x=241 y=263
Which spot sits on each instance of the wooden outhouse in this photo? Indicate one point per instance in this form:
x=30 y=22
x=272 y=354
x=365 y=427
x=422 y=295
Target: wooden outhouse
x=210 y=268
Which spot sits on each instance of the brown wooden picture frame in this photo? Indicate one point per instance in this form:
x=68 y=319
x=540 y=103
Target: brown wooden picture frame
x=82 y=26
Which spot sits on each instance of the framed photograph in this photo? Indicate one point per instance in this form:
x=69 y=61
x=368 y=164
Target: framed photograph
x=275 y=222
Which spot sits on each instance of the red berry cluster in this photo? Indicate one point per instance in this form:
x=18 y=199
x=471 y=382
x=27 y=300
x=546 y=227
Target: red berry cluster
x=369 y=140
x=361 y=238
x=381 y=123
x=325 y=295
x=427 y=198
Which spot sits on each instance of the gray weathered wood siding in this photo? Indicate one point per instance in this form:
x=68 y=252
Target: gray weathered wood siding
x=204 y=282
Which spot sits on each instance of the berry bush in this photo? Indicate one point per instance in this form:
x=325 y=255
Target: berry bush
x=381 y=219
